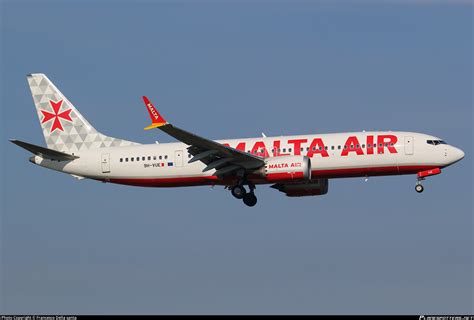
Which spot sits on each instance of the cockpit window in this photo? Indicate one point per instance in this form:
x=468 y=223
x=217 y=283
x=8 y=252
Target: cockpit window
x=435 y=142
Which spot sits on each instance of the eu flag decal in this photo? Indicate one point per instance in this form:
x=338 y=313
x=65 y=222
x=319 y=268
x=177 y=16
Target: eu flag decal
x=170 y=164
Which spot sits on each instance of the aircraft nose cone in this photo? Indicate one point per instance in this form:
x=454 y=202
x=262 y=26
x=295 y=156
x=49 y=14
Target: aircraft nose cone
x=461 y=154
x=458 y=154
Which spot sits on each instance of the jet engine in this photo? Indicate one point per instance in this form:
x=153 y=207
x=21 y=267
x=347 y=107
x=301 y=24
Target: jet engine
x=287 y=168
x=316 y=187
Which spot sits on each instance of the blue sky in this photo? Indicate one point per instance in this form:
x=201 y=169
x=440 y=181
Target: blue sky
x=236 y=69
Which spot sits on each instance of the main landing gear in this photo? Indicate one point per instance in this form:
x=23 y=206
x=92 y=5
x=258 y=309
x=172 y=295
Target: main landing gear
x=239 y=192
x=250 y=199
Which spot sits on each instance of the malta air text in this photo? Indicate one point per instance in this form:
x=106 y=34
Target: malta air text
x=353 y=145
x=285 y=165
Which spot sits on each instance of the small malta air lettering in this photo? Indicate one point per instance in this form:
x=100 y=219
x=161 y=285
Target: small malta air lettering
x=374 y=145
x=284 y=165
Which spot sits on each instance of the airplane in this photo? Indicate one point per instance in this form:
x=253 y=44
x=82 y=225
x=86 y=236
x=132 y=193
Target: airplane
x=299 y=165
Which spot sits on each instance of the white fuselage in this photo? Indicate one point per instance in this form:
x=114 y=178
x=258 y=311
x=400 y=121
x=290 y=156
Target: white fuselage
x=332 y=155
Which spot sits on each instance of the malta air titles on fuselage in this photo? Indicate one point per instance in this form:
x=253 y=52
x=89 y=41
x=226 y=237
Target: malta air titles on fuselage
x=371 y=144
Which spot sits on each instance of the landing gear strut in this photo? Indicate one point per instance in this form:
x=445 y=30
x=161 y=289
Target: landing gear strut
x=239 y=192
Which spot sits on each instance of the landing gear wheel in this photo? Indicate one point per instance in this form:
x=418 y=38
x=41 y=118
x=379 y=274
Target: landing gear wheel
x=419 y=188
x=250 y=199
x=238 y=191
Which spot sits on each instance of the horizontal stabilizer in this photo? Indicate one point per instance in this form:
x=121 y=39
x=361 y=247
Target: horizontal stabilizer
x=43 y=152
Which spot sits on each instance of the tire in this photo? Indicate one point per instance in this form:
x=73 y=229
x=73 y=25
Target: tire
x=419 y=188
x=250 y=199
x=238 y=191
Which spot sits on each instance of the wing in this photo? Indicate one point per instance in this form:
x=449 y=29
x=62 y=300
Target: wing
x=224 y=159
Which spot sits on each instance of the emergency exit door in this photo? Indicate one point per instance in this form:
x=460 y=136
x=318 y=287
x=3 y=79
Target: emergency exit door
x=178 y=158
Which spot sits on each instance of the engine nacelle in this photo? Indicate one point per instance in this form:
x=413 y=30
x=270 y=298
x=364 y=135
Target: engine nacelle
x=287 y=168
x=314 y=188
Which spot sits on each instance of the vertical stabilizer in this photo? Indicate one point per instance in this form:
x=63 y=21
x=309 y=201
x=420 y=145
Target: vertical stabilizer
x=64 y=128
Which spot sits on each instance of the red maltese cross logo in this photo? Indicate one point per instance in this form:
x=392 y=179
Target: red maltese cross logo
x=47 y=116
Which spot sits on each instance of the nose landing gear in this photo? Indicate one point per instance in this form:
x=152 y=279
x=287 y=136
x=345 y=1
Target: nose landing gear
x=422 y=175
x=419 y=187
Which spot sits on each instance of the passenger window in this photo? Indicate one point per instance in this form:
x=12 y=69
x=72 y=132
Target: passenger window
x=332 y=147
x=357 y=147
x=345 y=147
x=154 y=157
x=289 y=150
x=325 y=147
x=166 y=157
x=131 y=159
x=284 y=149
x=121 y=159
x=126 y=159
x=363 y=146
x=352 y=146
x=338 y=147
x=149 y=158
x=161 y=157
